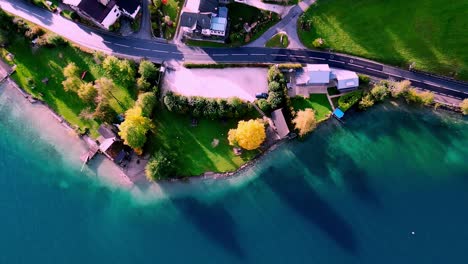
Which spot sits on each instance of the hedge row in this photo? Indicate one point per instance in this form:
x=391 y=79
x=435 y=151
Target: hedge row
x=212 y=108
x=190 y=65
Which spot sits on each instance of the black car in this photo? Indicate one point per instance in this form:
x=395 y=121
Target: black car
x=261 y=95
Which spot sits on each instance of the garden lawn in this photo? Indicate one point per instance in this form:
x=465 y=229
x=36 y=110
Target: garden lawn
x=172 y=9
x=193 y=145
x=431 y=33
x=239 y=14
x=275 y=41
x=318 y=102
x=34 y=66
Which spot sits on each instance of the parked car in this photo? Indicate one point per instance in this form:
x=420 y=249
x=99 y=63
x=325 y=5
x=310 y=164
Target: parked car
x=261 y=95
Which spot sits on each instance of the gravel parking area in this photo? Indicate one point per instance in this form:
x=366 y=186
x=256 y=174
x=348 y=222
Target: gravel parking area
x=218 y=83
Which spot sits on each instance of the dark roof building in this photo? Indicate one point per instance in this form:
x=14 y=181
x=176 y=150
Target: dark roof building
x=106 y=131
x=129 y=7
x=195 y=20
x=95 y=9
x=210 y=6
x=281 y=127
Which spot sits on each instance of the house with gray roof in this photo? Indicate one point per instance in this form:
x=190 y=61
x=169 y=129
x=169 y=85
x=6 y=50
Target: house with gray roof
x=211 y=20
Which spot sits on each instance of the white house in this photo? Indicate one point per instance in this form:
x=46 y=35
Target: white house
x=105 y=13
x=344 y=79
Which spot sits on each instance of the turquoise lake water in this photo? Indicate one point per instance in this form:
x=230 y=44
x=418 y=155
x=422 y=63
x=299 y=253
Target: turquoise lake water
x=347 y=194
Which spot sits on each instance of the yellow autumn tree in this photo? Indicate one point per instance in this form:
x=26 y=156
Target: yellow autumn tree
x=248 y=135
x=134 y=129
x=305 y=121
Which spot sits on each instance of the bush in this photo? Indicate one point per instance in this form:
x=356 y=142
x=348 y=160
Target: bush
x=366 y=102
x=264 y=105
x=34 y=32
x=274 y=86
x=276 y=99
x=348 y=100
x=274 y=74
x=160 y=166
x=54 y=40
x=318 y=43
x=305 y=121
x=398 y=89
x=464 y=106
x=363 y=79
x=379 y=92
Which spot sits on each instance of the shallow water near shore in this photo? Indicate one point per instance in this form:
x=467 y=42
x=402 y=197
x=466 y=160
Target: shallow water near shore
x=350 y=193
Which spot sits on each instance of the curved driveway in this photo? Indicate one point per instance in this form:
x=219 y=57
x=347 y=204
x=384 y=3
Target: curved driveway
x=158 y=52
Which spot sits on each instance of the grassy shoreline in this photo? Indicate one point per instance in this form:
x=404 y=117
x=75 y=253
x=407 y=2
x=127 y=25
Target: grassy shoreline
x=431 y=34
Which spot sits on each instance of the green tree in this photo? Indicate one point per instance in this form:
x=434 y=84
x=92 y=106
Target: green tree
x=318 y=43
x=366 y=102
x=71 y=70
x=248 y=135
x=104 y=112
x=160 y=166
x=264 y=105
x=305 y=121
x=87 y=92
x=72 y=84
x=148 y=71
x=379 y=92
x=147 y=102
x=111 y=65
x=274 y=86
x=142 y=84
x=126 y=72
x=464 y=106
x=134 y=129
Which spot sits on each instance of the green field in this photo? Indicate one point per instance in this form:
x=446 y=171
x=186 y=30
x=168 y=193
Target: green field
x=35 y=65
x=276 y=42
x=318 y=102
x=193 y=144
x=431 y=33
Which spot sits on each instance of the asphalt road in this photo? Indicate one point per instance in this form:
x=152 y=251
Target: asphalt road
x=158 y=51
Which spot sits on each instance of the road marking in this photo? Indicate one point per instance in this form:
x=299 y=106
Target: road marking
x=239 y=54
x=176 y=52
x=315 y=58
x=220 y=54
x=342 y=62
x=279 y=55
x=355 y=65
x=140 y=48
x=122 y=45
x=298 y=56
x=34 y=14
x=257 y=54
x=108 y=42
x=161 y=51
x=25 y=10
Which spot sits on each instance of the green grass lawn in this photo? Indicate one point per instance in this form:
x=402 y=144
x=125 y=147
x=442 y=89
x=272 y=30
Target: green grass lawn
x=172 y=9
x=318 y=102
x=193 y=145
x=34 y=66
x=431 y=33
x=276 y=42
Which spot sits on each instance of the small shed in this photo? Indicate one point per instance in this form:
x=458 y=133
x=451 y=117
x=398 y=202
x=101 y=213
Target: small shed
x=281 y=127
x=338 y=113
x=345 y=80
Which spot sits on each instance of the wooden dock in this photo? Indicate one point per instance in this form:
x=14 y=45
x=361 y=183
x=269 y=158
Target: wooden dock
x=92 y=151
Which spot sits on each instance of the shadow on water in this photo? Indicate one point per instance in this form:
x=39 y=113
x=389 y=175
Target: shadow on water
x=298 y=194
x=213 y=221
x=354 y=178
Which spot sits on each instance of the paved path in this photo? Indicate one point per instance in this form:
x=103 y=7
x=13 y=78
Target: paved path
x=158 y=51
x=145 y=31
x=287 y=25
x=279 y=9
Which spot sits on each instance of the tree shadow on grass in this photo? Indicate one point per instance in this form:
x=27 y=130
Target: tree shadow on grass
x=213 y=221
x=297 y=193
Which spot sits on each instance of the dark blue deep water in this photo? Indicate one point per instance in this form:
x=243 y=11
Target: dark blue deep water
x=347 y=194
